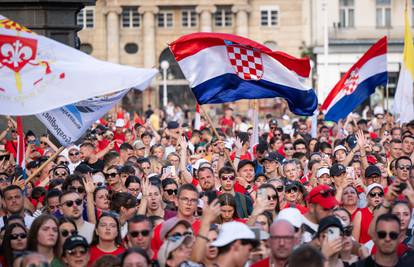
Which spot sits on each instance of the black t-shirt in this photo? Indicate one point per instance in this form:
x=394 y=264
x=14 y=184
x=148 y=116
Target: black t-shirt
x=97 y=166
x=369 y=262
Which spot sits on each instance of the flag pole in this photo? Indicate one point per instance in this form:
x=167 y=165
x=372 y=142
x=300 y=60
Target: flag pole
x=216 y=133
x=36 y=172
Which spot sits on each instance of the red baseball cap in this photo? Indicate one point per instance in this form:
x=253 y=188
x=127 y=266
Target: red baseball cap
x=323 y=195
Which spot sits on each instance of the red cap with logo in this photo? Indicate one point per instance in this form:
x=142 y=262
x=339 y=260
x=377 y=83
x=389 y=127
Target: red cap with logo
x=323 y=195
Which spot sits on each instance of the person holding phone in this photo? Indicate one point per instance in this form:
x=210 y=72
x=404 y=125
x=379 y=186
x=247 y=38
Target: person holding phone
x=330 y=236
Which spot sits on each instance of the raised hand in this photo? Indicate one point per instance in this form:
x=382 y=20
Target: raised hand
x=88 y=184
x=211 y=211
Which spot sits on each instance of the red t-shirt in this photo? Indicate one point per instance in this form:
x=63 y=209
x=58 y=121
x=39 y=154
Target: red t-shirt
x=366 y=218
x=156 y=241
x=242 y=157
x=96 y=253
x=263 y=263
x=11 y=147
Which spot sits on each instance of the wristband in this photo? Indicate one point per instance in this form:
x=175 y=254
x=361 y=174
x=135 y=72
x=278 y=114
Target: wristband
x=204 y=237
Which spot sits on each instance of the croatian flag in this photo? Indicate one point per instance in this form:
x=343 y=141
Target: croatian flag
x=224 y=68
x=358 y=83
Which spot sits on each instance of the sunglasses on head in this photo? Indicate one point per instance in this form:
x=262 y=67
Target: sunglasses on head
x=66 y=233
x=74 y=154
x=79 y=189
x=171 y=191
x=16 y=236
x=81 y=251
x=144 y=233
x=325 y=194
x=228 y=177
x=383 y=235
x=70 y=203
x=376 y=194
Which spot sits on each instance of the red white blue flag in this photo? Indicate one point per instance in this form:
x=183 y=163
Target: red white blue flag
x=224 y=68
x=358 y=83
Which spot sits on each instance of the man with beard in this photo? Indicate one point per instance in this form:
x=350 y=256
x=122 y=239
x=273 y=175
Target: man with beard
x=88 y=155
x=13 y=200
x=281 y=242
x=206 y=179
x=71 y=206
x=245 y=181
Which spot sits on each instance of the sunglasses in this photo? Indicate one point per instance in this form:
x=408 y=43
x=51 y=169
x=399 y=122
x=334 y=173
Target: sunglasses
x=179 y=235
x=228 y=177
x=16 y=236
x=81 y=251
x=100 y=184
x=74 y=154
x=348 y=230
x=376 y=194
x=274 y=197
x=383 y=234
x=43 y=143
x=201 y=151
x=70 y=203
x=280 y=189
x=61 y=174
x=293 y=189
x=171 y=191
x=404 y=167
x=111 y=175
x=144 y=233
x=66 y=163
x=66 y=233
x=80 y=189
x=288 y=148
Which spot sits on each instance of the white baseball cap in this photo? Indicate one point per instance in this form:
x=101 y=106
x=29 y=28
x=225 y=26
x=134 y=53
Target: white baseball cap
x=374 y=185
x=322 y=171
x=119 y=123
x=340 y=147
x=291 y=215
x=232 y=231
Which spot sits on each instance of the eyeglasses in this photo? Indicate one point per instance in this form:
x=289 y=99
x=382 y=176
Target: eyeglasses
x=383 y=234
x=292 y=189
x=134 y=189
x=70 y=203
x=404 y=167
x=66 y=233
x=274 y=197
x=228 y=177
x=376 y=194
x=79 y=189
x=144 y=233
x=171 y=191
x=74 y=154
x=288 y=148
x=286 y=238
x=111 y=175
x=81 y=251
x=189 y=201
x=179 y=235
x=280 y=189
x=16 y=236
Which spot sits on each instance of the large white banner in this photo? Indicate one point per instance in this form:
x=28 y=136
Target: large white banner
x=38 y=74
x=68 y=123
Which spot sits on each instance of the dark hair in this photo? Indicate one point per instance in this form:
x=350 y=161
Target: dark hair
x=346 y=211
x=226 y=169
x=55 y=182
x=122 y=199
x=227 y=199
x=97 y=189
x=63 y=220
x=168 y=181
x=52 y=193
x=87 y=144
x=7 y=249
x=263 y=186
x=32 y=240
x=11 y=188
x=111 y=155
x=107 y=261
x=188 y=187
x=67 y=192
x=388 y=217
x=306 y=255
x=133 y=250
x=298 y=142
x=118 y=239
x=70 y=179
x=201 y=169
x=132 y=179
x=401 y=158
x=138 y=218
x=261 y=174
x=126 y=146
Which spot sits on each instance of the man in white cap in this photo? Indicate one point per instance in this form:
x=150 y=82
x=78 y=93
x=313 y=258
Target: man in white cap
x=295 y=217
x=235 y=241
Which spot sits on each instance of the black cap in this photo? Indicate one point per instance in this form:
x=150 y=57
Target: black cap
x=291 y=184
x=83 y=168
x=33 y=164
x=371 y=170
x=272 y=122
x=75 y=241
x=62 y=166
x=173 y=125
x=243 y=163
x=273 y=156
x=337 y=169
x=329 y=221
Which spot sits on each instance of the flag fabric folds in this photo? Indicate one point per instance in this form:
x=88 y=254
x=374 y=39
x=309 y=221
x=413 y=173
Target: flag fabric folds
x=404 y=99
x=224 y=68
x=358 y=83
x=197 y=118
x=38 y=74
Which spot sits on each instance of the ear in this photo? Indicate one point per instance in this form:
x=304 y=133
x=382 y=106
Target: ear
x=122 y=210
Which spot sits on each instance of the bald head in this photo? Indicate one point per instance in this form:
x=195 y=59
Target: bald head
x=282 y=239
x=282 y=227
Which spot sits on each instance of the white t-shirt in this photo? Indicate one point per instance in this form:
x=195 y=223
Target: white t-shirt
x=307 y=236
x=86 y=230
x=27 y=221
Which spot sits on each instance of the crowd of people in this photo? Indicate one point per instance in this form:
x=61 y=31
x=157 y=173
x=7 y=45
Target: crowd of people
x=158 y=192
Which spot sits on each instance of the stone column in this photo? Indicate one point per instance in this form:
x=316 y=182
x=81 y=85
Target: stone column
x=112 y=29
x=206 y=13
x=242 y=19
x=149 y=51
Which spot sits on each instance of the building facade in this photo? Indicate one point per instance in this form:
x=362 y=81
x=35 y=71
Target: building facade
x=137 y=33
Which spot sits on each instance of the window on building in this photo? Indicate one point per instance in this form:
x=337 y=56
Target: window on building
x=383 y=13
x=346 y=13
x=223 y=17
x=269 y=16
x=130 y=17
x=85 y=17
x=165 y=19
x=189 y=18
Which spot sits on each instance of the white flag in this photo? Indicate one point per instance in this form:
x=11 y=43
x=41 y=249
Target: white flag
x=38 y=74
x=197 y=118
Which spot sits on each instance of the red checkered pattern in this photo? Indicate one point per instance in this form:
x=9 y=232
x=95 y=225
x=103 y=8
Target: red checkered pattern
x=351 y=83
x=247 y=62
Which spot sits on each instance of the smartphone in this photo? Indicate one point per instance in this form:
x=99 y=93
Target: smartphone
x=261 y=193
x=171 y=169
x=333 y=233
x=351 y=172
